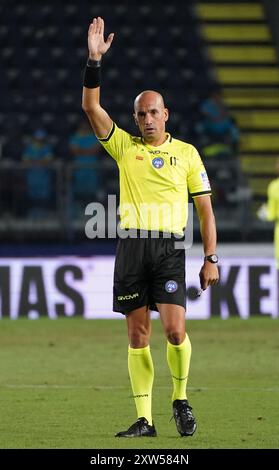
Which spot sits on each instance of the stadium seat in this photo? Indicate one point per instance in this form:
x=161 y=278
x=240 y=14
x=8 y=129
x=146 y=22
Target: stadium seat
x=44 y=51
x=242 y=50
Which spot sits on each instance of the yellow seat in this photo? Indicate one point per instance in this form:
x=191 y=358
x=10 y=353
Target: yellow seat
x=245 y=54
x=257 y=119
x=261 y=142
x=251 y=96
x=236 y=32
x=231 y=11
x=248 y=75
x=258 y=164
x=244 y=101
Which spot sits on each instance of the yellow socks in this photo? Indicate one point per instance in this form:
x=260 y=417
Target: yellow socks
x=141 y=373
x=178 y=357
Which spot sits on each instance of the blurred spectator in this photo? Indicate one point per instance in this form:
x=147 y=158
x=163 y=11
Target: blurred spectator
x=270 y=210
x=217 y=139
x=216 y=127
x=84 y=148
x=39 y=179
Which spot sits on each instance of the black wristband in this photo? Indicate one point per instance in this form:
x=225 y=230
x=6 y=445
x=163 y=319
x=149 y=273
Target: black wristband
x=92 y=74
x=94 y=63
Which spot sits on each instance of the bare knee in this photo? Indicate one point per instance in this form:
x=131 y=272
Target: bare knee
x=173 y=321
x=175 y=336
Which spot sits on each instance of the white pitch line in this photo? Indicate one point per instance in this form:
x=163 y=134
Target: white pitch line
x=121 y=387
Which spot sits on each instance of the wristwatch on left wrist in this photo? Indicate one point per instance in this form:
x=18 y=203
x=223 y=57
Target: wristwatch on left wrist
x=212 y=258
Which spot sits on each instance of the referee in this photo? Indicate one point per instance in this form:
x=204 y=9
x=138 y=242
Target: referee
x=156 y=174
x=270 y=210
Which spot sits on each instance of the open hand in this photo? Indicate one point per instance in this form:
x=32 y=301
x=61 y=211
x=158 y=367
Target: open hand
x=97 y=45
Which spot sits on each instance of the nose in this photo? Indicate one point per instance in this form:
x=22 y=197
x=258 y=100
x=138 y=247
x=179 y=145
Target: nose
x=148 y=119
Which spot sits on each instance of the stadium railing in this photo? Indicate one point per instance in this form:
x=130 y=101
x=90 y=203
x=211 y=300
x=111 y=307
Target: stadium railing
x=60 y=214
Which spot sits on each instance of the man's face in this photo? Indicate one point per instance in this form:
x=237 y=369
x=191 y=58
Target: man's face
x=151 y=116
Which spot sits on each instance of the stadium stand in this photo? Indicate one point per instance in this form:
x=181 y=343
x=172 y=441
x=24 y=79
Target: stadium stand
x=42 y=44
x=241 y=46
x=157 y=45
x=43 y=53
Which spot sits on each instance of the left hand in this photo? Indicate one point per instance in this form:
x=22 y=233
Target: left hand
x=209 y=275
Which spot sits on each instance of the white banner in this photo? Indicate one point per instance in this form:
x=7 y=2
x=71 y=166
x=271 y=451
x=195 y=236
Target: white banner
x=67 y=286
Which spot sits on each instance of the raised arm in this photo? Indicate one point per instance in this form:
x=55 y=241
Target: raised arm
x=97 y=47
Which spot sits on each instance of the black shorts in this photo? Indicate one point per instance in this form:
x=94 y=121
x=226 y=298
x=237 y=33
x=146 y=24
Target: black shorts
x=148 y=271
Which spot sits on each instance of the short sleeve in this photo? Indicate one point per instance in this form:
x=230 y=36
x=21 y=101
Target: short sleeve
x=197 y=179
x=116 y=142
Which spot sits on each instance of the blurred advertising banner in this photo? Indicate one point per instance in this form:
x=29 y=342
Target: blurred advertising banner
x=82 y=286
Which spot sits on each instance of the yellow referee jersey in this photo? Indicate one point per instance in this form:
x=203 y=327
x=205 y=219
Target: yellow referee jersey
x=273 y=212
x=154 y=181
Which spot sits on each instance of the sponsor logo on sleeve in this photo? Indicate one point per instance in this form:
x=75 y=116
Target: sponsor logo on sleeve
x=205 y=180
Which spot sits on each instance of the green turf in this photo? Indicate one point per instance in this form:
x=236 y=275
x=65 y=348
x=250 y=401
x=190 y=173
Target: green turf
x=64 y=384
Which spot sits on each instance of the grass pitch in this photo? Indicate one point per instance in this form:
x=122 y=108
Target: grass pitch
x=64 y=384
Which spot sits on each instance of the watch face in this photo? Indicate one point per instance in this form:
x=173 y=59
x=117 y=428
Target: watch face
x=212 y=258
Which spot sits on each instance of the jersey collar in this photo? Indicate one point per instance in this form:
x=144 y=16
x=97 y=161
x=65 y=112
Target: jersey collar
x=167 y=141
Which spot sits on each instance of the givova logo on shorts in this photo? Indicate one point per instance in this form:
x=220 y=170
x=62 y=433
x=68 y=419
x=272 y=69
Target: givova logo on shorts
x=171 y=286
x=128 y=296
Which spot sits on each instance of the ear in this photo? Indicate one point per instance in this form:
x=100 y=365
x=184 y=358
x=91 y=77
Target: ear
x=135 y=118
x=166 y=112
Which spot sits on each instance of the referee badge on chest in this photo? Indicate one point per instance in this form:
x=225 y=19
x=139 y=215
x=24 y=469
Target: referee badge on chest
x=158 y=162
